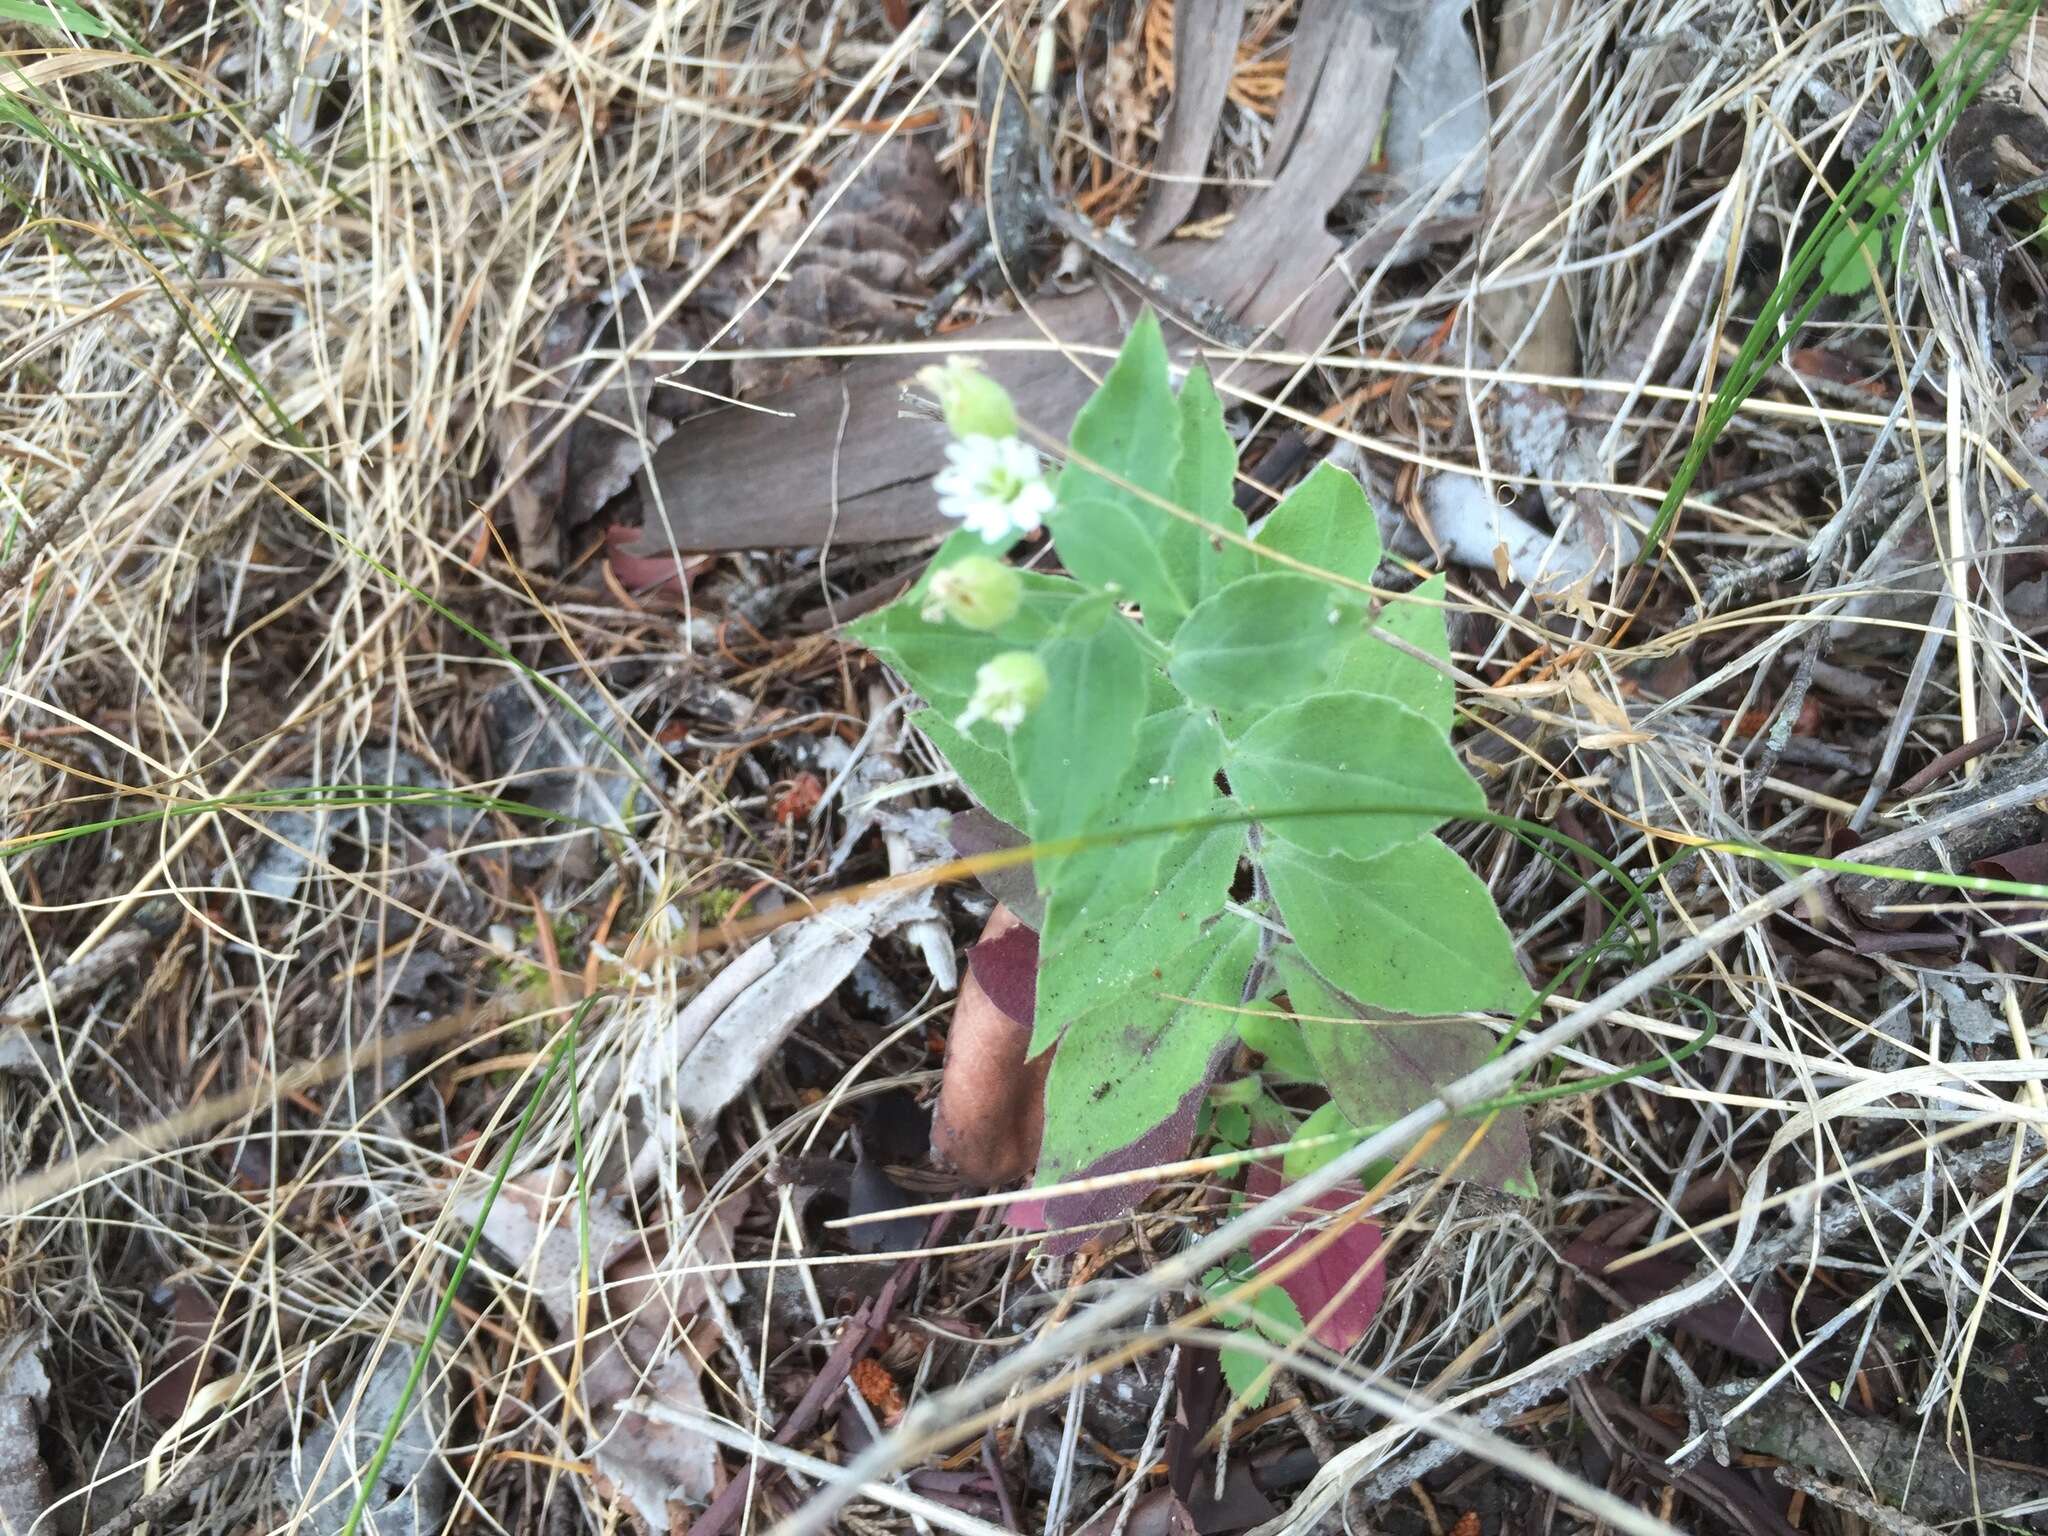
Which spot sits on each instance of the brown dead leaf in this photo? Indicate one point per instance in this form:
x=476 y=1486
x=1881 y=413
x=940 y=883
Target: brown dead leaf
x=183 y=1366
x=1603 y=711
x=596 y=458
x=643 y=1293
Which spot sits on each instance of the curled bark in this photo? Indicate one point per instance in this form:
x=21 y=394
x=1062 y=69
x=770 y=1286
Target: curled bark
x=991 y=1114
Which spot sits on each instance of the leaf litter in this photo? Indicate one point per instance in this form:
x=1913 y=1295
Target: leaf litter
x=490 y=246
x=628 y=1336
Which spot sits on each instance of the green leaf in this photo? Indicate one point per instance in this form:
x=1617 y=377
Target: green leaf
x=60 y=13
x=1074 y=752
x=1172 y=778
x=1270 y=1312
x=985 y=774
x=1205 y=483
x=1278 y=1038
x=1848 y=264
x=1302 y=1158
x=1091 y=968
x=1112 y=545
x=1368 y=664
x=1262 y=642
x=1231 y=1124
x=1412 y=931
x=1107 y=535
x=1133 y=1064
x=1344 y=751
x=1325 y=522
x=1377 y=1070
x=939 y=660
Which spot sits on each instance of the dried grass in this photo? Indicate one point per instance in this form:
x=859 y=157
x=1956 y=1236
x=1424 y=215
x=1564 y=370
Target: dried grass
x=220 y=618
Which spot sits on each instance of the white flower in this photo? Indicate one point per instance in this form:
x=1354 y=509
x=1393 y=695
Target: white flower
x=995 y=485
x=1006 y=690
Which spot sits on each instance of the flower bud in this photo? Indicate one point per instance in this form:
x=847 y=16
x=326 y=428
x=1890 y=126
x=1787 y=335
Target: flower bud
x=976 y=591
x=1006 y=690
x=975 y=405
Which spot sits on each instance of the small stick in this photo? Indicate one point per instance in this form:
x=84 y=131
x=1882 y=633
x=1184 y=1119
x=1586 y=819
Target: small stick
x=1862 y=1506
x=203 y=1469
x=854 y=1341
x=1949 y=761
x=1202 y=314
x=943 y=301
x=973 y=231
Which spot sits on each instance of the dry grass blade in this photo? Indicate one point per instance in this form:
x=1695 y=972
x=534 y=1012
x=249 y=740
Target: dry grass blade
x=255 y=1060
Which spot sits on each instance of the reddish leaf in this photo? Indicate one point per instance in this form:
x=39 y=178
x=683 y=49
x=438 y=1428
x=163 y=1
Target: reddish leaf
x=184 y=1367
x=643 y=573
x=1025 y=1216
x=2028 y=864
x=1007 y=968
x=1758 y=1329
x=1345 y=1269
x=991 y=1112
x=1166 y=1142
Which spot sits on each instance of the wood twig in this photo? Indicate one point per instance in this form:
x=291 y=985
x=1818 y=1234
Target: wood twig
x=1842 y=1217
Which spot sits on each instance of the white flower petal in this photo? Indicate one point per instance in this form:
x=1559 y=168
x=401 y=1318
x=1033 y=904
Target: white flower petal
x=1029 y=507
x=1018 y=458
x=995 y=486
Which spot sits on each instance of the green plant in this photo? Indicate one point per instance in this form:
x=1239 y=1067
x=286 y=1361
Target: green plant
x=1851 y=263
x=1266 y=1311
x=58 y=15
x=1837 y=242
x=1233 y=761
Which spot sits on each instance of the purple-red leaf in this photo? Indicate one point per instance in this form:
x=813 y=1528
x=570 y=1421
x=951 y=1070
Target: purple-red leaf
x=991 y=1113
x=1166 y=1142
x=2028 y=865
x=1378 y=1068
x=1346 y=1277
x=1007 y=968
x=1757 y=1327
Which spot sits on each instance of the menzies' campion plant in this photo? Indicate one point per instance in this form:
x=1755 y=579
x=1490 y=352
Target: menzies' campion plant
x=1245 y=691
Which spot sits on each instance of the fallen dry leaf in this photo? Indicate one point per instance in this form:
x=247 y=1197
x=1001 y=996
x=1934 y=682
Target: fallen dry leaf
x=643 y=1292
x=317 y=1479
x=716 y=1045
x=24 y=1388
x=182 y=1368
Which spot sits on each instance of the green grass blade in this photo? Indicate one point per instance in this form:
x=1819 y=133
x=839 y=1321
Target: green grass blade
x=1930 y=117
x=564 y=1052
